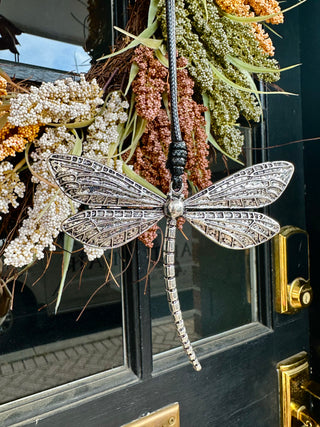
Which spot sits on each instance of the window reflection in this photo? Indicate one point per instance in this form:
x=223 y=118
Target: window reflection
x=55 y=39
x=39 y=349
x=217 y=286
x=35 y=50
x=214 y=286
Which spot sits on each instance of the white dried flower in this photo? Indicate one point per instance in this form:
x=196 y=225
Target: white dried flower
x=40 y=228
x=103 y=133
x=93 y=253
x=53 y=140
x=50 y=205
x=10 y=187
x=60 y=102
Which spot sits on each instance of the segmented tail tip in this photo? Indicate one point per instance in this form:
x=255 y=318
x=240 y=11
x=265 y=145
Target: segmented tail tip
x=196 y=366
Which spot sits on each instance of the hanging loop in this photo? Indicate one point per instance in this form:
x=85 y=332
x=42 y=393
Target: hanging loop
x=177 y=156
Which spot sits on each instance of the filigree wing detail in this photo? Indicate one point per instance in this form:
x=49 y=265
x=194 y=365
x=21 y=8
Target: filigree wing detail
x=252 y=187
x=234 y=229
x=94 y=184
x=110 y=228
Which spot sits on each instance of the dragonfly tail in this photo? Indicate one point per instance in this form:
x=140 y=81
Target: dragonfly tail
x=172 y=293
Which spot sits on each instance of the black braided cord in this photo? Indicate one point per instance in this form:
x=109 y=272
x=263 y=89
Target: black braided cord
x=177 y=157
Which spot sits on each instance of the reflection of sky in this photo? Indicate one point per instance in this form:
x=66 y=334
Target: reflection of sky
x=49 y=53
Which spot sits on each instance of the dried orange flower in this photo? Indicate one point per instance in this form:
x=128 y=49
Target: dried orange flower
x=12 y=145
x=235 y=7
x=14 y=139
x=266 y=7
x=29 y=132
x=263 y=38
x=3 y=86
x=255 y=8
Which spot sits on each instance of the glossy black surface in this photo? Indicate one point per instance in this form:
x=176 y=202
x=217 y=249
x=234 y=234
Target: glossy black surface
x=238 y=384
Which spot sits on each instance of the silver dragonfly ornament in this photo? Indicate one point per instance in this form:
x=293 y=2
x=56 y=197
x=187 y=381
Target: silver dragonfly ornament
x=120 y=210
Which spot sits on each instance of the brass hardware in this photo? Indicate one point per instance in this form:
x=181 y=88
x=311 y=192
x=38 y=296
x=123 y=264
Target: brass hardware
x=165 y=417
x=292 y=284
x=295 y=389
x=312 y=388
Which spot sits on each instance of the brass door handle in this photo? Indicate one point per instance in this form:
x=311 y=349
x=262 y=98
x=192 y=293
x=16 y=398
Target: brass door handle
x=295 y=390
x=300 y=294
x=300 y=412
x=293 y=291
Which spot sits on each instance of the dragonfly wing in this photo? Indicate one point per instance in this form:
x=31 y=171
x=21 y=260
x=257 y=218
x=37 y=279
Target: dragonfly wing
x=252 y=187
x=234 y=229
x=94 y=184
x=110 y=228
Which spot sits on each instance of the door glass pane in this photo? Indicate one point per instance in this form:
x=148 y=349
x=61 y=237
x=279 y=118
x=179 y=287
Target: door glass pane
x=216 y=286
x=55 y=39
x=40 y=349
x=63 y=35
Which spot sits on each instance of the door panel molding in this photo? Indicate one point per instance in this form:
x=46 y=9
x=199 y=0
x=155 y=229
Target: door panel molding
x=50 y=402
x=207 y=347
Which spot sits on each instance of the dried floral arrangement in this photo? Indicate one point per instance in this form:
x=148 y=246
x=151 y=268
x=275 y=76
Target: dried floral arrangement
x=118 y=114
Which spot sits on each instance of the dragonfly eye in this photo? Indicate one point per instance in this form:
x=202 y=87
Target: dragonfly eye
x=173 y=208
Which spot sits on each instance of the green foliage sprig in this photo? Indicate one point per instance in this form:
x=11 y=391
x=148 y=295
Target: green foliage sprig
x=208 y=40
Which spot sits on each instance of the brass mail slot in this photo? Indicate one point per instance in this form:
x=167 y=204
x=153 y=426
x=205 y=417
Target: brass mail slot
x=165 y=417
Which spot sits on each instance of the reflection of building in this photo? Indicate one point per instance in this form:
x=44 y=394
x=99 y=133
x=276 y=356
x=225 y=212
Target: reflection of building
x=62 y=20
x=55 y=41
x=83 y=280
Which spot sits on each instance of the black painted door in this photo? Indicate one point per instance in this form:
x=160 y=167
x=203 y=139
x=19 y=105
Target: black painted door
x=228 y=300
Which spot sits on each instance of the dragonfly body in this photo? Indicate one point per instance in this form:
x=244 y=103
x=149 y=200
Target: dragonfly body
x=173 y=209
x=121 y=209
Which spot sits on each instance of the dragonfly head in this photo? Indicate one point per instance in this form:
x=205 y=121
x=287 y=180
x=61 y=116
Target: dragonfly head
x=174 y=206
